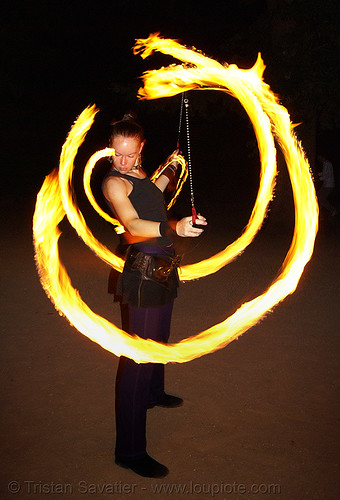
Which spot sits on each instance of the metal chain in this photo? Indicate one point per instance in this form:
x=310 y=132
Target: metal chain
x=180 y=120
x=186 y=104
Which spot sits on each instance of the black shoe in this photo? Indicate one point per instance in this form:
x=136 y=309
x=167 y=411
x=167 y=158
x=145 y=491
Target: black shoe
x=146 y=466
x=168 y=401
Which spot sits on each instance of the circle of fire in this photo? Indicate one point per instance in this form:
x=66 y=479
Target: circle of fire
x=269 y=119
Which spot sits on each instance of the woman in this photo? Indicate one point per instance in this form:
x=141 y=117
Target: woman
x=139 y=206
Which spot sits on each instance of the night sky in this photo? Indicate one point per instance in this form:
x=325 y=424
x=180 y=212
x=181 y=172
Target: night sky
x=60 y=56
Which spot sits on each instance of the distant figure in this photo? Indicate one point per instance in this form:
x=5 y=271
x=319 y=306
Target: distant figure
x=326 y=176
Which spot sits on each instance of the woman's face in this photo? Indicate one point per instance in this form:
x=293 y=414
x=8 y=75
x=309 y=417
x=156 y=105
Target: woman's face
x=126 y=154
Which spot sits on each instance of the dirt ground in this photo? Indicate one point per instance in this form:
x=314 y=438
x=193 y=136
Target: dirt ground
x=260 y=418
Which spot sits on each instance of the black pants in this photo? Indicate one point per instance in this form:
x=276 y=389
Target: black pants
x=139 y=385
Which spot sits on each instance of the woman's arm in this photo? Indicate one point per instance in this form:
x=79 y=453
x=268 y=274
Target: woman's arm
x=162 y=182
x=116 y=192
x=168 y=175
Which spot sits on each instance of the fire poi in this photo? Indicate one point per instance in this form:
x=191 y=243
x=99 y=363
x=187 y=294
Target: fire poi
x=269 y=119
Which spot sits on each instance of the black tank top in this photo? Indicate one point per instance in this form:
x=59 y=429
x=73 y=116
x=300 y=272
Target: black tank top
x=148 y=202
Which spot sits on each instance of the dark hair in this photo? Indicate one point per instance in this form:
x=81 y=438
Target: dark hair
x=127 y=127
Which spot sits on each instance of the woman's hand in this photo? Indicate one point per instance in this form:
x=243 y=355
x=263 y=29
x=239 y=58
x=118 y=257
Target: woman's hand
x=185 y=228
x=173 y=156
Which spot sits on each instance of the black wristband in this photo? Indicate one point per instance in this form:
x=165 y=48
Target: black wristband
x=166 y=230
x=170 y=171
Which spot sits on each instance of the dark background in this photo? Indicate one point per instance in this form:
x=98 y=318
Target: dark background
x=265 y=409
x=60 y=56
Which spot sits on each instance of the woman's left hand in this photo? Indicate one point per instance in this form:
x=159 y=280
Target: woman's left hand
x=172 y=158
x=185 y=228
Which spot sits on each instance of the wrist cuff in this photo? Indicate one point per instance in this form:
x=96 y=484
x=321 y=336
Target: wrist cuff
x=170 y=172
x=166 y=230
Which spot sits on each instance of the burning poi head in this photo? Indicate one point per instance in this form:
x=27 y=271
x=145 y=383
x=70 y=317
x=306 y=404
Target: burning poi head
x=270 y=120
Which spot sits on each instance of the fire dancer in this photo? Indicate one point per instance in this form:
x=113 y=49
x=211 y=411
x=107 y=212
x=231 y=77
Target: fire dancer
x=146 y=288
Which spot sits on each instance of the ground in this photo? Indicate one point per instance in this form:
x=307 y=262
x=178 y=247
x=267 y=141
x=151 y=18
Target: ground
x=260 y=417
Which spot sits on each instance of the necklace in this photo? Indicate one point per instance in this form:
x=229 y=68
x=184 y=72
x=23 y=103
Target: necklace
x=135 y=171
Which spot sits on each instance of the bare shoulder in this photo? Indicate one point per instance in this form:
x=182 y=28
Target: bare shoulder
x=114 y=186
x=114 y=182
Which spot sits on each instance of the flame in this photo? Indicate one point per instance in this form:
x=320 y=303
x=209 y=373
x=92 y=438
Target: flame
x=104 y=153
x=269 y=119
x=262 y=127
x=181 y=178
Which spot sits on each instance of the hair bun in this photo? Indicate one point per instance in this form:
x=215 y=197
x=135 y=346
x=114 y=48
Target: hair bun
x=130 y=115
x=127 y=127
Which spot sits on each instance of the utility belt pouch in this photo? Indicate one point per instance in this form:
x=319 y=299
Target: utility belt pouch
x=157 y=268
